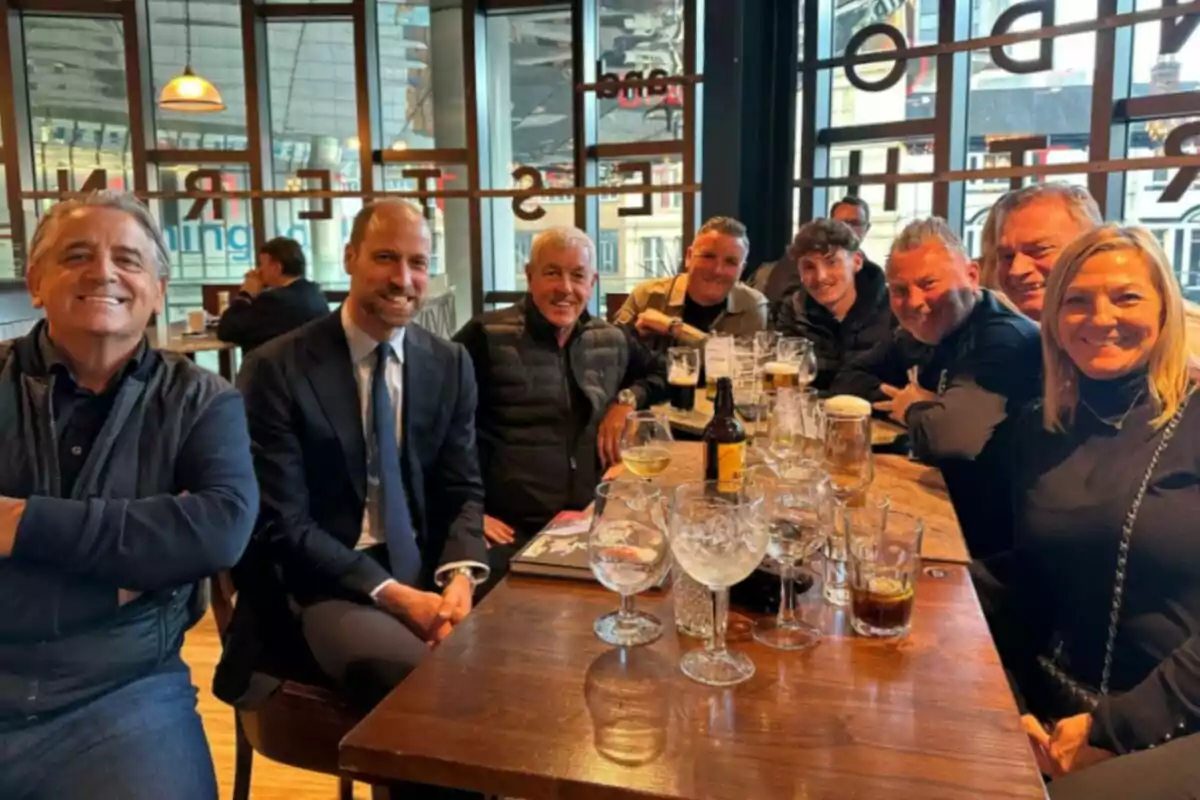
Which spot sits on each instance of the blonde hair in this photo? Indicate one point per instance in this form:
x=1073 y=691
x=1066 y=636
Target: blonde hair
x=1168 y=381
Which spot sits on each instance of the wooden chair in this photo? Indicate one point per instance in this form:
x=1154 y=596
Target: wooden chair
x=299 y=725
x=613 y=302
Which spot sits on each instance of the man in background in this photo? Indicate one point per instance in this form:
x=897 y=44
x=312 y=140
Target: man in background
x=965 y=365
x=274 y=299
x=549 y=374
x=843 y=309
x=708 y=297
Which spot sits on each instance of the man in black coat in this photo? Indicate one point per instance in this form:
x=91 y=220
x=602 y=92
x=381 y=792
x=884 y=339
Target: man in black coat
x=843 y=309
x=363 y=428
x=548 y=373
x=962 y=369
x=275 y=298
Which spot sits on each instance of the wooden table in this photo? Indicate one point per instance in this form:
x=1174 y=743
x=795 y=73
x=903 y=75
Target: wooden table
x=522 y=700
x=207 y=342
x=913 y=487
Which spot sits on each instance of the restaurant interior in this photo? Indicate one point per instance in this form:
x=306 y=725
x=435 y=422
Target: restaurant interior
x=634 y=121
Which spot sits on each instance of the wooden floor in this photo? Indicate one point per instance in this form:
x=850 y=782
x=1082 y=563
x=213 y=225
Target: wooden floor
x=271 y=781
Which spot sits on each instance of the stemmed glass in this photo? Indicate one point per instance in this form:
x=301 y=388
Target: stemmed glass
x=628 y=553
x=785 y=429
x=646 y=443
x=718 y=538
x=799 y=516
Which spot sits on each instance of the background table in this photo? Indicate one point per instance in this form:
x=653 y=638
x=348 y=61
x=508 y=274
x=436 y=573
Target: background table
x=178 y=342
x=523 y=700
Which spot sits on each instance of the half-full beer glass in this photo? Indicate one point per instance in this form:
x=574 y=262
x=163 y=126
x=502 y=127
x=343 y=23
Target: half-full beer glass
x=884 y=567
x=683 y=373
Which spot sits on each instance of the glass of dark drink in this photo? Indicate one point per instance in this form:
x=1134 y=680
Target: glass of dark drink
x=683 y=374
x=884 y=566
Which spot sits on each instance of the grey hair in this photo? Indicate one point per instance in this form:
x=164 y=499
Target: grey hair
x=918 y=232
x=562 y=237
x=358 y=230
x=117 y=201
x=1079 y=203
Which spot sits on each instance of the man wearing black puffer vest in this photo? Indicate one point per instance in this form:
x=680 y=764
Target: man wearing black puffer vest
x=548 y=374
x=843 y=305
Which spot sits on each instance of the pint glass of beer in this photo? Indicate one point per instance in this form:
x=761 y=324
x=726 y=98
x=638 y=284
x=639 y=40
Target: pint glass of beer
x=884 y=566
x=683 y=373
x=778 y=375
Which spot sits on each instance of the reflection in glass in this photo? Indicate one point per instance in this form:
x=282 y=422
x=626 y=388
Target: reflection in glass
x=628 y=693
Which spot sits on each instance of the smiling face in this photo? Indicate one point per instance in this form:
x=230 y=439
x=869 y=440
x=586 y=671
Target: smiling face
x=829 y=277
x=96 y=275
x=715 y=262
x=389 y=269
x=561 y=283
x=1111 y=314
x=932 y=290
x=1030 y=240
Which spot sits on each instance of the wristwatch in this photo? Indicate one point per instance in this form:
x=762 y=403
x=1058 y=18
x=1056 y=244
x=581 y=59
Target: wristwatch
x=465 y=571
x=628 y=397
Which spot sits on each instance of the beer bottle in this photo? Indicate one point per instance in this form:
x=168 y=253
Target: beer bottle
x=724 y=442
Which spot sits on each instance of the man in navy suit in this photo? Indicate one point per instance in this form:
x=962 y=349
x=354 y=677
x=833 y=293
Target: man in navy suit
x=363 y=430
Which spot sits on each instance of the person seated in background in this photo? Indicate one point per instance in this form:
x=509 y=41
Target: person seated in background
x=363 y=426
x=553 y=382
x=843 y=309
x=708 y=297
x=275 y=298
x=856 y=214
x=1096 y=611
x=963 y=366
x=126 y=481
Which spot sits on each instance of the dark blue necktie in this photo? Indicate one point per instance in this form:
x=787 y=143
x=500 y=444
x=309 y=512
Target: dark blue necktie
x=393 y=502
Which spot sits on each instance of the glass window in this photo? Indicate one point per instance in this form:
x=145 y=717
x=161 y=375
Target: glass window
x=8 y=261
x=1154 y=73
x=663 y=225
x=639 y=37
x=529 y=124
x=421 y=74
x=79 y=107
x=607 y=259
x=314 y=125
x=216 y=54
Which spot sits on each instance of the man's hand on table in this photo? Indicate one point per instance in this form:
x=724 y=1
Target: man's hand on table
x=608 y=439
x=900 y=399
x=420 y=611
x=496 y=532
x=456 y=600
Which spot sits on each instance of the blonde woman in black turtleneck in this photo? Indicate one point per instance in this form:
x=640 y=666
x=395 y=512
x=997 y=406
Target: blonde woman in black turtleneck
x=1100 y=623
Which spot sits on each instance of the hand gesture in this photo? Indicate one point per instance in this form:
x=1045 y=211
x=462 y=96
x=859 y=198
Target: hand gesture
x=456 y=600
x=900 y=400
x=1069 y=748
x=252 y=283
x=608 y=439
x=651 y=321
x=420 y=611
x=496 y=532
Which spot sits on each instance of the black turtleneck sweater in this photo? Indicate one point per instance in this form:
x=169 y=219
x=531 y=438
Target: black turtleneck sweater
x=867 y=324
x=1073 y=491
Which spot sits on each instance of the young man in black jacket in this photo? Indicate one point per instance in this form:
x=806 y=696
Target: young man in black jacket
x=275 y=298
x=843 y=308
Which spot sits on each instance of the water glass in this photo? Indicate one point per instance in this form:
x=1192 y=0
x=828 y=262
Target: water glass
x=812 y=423
x=718 y=538
x=785 y=429
x=867 y=519
x=884 y=567
x=628 y=553
x=693 y=604
x=798 y=510
x=847 y=453
x=718 y=362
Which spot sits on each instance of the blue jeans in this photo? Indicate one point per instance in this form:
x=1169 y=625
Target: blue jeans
x=143 y=741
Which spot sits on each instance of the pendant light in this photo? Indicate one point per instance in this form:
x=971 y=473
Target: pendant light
x=189 y=91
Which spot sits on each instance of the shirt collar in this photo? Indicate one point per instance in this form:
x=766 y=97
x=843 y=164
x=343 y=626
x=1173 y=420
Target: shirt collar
x=362 y=345
x=54 y=362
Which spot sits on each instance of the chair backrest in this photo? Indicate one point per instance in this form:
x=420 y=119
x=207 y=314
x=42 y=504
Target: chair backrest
x=223 y=598
x=613 y=302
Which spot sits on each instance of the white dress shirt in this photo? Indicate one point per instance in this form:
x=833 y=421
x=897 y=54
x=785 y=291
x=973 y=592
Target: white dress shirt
x=363 y=359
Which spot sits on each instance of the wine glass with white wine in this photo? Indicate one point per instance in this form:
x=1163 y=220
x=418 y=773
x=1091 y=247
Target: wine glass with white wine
x=646 y=444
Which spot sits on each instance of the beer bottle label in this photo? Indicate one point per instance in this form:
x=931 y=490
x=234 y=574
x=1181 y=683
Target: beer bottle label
x=731 y=463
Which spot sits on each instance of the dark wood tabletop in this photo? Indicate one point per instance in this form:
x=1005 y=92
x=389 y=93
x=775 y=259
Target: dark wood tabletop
x=523 y=701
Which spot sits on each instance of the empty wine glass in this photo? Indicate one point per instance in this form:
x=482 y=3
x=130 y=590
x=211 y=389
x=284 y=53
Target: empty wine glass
x=719 y=538
x=799 y=515
x=628 y=553
x=646 y=443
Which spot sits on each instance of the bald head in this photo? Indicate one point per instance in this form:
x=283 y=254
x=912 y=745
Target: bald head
x=387 y=259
